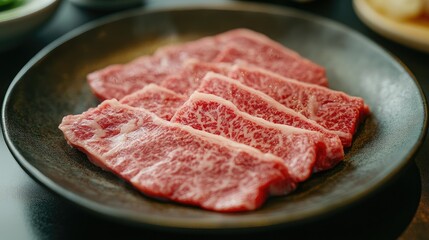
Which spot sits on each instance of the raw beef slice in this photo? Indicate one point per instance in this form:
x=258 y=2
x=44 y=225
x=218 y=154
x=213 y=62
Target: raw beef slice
x=172 y=161
x=188 y=79
x=334 y=110
x=299 y=148
x=161 y=101
x=247 y=100
x=260 y=105
x=119 y=80
x=257 y=49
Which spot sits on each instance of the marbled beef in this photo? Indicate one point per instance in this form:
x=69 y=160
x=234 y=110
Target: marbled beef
x=118 y=80
x=176 y=162
x=299 y=148
x=161 y=101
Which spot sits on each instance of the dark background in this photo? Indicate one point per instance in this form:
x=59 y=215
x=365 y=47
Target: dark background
x=30 y=211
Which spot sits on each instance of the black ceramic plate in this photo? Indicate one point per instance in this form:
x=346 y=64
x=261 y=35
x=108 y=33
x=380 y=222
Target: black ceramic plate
x=53 y=85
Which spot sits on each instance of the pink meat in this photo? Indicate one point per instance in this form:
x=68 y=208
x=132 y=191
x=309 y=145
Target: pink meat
x=156 y=99
x=299 y=148
x=204 y=49
x=331 y=109
x=165 y=103
x=260 y=105
x=188 y=79
x=257 y=49
x=118 y=80
x=172 y=161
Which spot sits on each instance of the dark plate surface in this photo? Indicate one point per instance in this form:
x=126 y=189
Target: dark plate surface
x=53 y=85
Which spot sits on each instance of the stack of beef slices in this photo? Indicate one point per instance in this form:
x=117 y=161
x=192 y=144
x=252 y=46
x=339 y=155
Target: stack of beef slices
x=222 y=122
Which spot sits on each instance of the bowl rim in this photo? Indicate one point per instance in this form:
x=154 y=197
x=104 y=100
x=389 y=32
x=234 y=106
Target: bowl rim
x=29 y=7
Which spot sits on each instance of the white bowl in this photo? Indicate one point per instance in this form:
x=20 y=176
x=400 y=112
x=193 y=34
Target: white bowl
x=21 y=21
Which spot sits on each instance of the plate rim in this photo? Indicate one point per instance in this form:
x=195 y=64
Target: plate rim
x=164 y=222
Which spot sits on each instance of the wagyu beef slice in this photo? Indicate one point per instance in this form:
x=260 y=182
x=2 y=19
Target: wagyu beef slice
x=260 y=105
x=161 y=101
x=299 y=148
x=188 y=79
x=164 y=103
x=172 y=161
x=243 y=45
x=333 y=110
x=118 y=80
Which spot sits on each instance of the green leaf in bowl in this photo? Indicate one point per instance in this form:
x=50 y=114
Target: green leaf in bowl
x=8 y=4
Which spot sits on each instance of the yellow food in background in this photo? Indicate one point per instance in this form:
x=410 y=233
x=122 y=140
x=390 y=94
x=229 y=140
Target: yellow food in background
x=401 y=9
